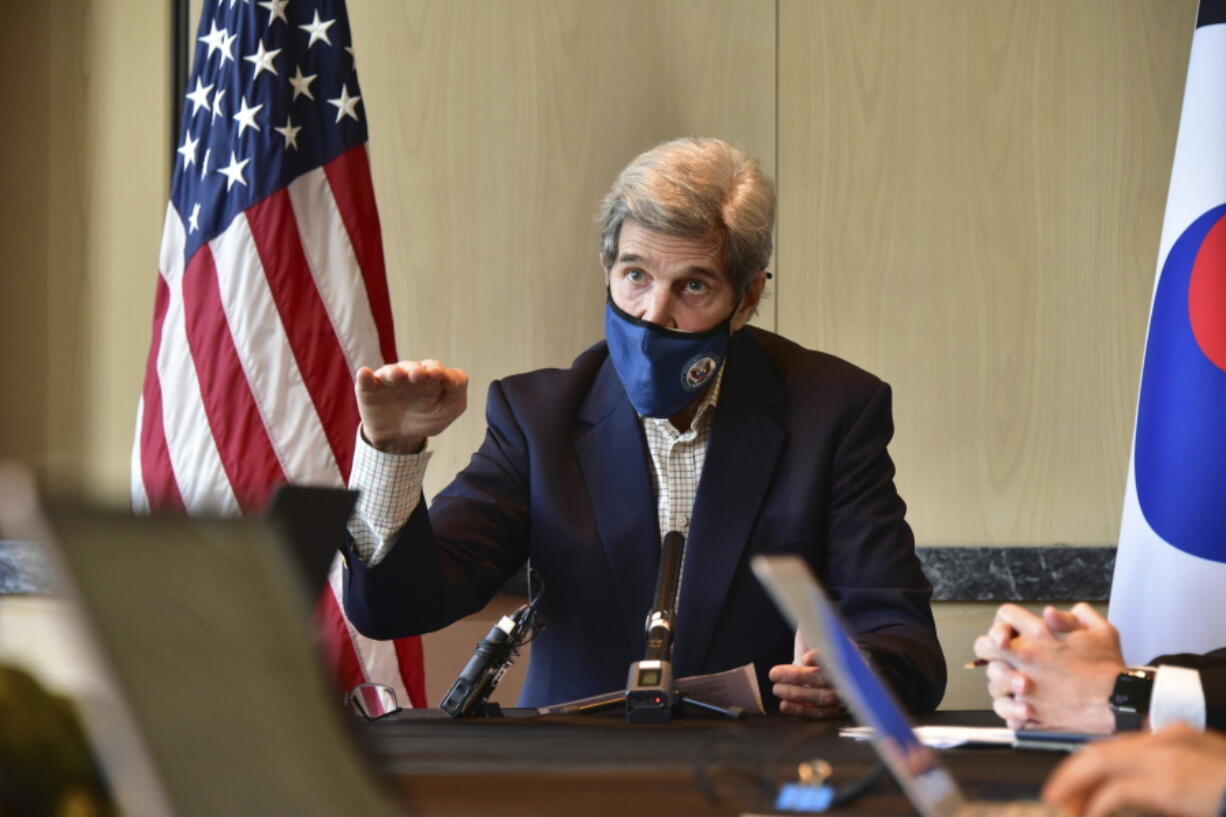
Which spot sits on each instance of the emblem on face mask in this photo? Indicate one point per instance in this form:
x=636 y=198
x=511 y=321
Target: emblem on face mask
x=698 y=371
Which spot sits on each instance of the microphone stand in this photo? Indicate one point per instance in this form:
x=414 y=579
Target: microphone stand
x=651 y=693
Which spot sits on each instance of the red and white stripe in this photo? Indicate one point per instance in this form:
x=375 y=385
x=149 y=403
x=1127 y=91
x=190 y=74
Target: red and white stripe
x=248 y=383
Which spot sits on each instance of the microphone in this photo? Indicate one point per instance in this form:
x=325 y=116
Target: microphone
x=489 y=662
x=650 y=693
x=469 y=695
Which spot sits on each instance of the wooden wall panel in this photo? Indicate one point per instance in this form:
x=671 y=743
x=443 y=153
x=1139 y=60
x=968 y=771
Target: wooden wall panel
x=494 y=130
x=971 y=198
x=24 y=81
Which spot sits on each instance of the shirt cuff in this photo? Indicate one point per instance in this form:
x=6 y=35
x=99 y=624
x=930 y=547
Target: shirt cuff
x=1177 y=696
x=389 y=488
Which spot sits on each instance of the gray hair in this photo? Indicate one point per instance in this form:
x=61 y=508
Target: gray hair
x=696 y=187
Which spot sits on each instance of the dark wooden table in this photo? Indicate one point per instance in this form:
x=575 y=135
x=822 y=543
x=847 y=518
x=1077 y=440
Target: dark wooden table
x=525 y=766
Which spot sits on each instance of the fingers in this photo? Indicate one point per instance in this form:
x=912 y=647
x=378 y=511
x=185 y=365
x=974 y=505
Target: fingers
x=1075 y=779
x=416 y=372
x=813 y=696
x=805 y=691
x=986 y=648
x=800 y=675
x=1023 y=621
x=1061 y=621
x=1177 y=770
x=800 y=648
x=1015 y=713
x=1088 y=617
x=808 y=658
x=1007 y=686
x=1005 y=680
x=816 y=713
x=1001 y=633
x=1181 y=732
x=1117 y=792
x=1090 y=784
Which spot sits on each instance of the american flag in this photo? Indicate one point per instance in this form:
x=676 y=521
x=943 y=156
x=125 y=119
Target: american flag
x=271 y=289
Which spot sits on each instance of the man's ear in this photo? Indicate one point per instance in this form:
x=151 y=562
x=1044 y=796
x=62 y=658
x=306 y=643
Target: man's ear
x=606 y=270
x=750 y=300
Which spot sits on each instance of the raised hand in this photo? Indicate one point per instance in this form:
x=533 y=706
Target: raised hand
x=401 y=404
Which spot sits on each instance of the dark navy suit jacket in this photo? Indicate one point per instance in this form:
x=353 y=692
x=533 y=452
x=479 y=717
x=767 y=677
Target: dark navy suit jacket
x=796 y=463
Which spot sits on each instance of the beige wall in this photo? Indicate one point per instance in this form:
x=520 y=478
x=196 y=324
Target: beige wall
x=85 y=186
x=970 y=201
x=971 y=198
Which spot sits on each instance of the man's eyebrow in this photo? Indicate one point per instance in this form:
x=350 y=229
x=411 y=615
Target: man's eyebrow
x=695 y=269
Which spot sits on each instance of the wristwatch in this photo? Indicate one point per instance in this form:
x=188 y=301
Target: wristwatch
x=1129 y=699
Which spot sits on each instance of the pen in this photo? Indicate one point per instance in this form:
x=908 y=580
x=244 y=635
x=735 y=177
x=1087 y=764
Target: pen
x=976 y=664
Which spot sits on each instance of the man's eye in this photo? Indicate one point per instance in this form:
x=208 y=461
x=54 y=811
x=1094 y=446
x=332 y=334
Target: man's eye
x=635 y=276
x=696 y=287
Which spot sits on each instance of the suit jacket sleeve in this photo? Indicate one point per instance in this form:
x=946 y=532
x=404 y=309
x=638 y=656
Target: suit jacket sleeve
x=872 y=568
x=449 y=561
x=1212 y=668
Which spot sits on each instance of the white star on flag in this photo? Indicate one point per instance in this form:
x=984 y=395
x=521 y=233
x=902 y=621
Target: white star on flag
x=188 y=150
x=215 y=39
x=302 y=85
x=217 y=104
x=276 y=10
x=227 y=47
x=234 y=171
x=246 y=116
x=204 y=166
x=263 y=60
x=345 y=105
x=193 y=221
x=318 y=29
x=290 y=132
x=200 y=96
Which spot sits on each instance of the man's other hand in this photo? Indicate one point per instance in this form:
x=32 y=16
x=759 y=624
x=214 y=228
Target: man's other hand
x=401 y=404
x=1052 y=672
x=804 y=690
x=1176 y=771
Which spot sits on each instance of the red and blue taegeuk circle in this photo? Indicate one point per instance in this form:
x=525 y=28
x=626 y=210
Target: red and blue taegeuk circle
x=1180 y=454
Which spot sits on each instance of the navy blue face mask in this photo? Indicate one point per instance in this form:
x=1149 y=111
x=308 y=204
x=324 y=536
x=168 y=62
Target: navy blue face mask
x=663 y=369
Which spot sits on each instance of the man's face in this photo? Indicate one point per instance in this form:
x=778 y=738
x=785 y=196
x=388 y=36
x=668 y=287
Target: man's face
x=676 y=282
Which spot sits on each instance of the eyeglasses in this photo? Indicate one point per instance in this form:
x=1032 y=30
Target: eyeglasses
x=372 y=701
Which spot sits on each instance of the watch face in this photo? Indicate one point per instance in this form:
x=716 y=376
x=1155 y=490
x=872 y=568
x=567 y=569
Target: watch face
x=1130 y=698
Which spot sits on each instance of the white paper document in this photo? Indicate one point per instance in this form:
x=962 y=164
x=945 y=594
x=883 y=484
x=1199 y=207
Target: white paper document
x=734 y=687
x=946 y=737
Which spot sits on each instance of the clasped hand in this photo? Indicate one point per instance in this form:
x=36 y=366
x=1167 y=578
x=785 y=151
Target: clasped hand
x=1054 y=671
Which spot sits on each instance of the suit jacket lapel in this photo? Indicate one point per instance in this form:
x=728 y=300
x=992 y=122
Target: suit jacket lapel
x=613 y=456
x=746 y=441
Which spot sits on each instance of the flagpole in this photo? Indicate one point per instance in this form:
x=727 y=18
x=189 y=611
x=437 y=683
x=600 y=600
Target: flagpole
x=180 y=57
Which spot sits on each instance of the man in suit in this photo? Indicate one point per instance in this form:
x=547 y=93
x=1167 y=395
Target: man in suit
x=683 y=419
x=1065 y=670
